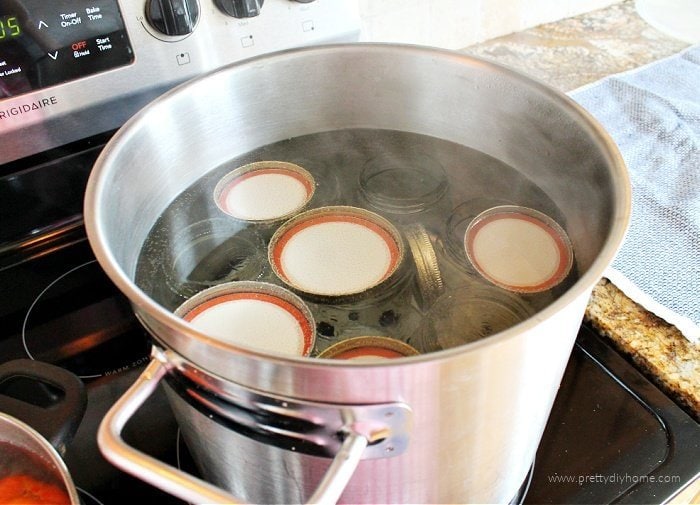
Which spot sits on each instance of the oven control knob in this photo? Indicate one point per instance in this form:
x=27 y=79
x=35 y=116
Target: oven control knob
x=240 y=8
x=172 y=17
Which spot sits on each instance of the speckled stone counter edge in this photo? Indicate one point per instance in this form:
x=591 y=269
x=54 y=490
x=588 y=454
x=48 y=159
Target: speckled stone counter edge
x=657 y=348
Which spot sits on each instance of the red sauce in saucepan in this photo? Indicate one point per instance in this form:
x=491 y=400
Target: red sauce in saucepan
x=26 y=478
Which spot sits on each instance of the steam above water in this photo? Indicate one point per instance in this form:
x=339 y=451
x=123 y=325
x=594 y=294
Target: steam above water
x=404 y=177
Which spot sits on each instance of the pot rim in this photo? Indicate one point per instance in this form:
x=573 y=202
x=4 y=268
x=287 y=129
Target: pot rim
x=621 y=194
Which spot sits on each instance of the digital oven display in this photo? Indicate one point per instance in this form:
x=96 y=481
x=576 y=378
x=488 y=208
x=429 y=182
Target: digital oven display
x=9 y=28
x=47 y=42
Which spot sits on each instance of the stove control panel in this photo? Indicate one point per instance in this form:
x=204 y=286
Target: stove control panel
x=46 y=43
x=70 y=69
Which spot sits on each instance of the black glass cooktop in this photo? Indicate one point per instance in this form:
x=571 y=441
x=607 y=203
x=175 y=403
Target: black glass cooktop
x=612 y=435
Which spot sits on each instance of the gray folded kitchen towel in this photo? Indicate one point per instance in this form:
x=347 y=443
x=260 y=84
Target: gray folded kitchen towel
x=653 y=114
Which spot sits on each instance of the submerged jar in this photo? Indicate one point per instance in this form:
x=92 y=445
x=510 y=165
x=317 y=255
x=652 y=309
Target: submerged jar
x=199 y=256
x=403 y=183
x=467 y=314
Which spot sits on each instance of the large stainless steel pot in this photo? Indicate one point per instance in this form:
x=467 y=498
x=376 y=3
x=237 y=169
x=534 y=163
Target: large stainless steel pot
x=460 y=425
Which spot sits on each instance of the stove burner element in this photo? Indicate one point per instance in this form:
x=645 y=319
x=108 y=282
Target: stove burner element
x=183 y=457
x=82 y=323
x=90 y=498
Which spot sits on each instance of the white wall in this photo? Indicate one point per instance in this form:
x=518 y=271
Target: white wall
x=455 y=24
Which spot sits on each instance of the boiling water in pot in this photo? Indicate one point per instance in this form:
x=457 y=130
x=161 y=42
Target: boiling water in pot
x=434 y=295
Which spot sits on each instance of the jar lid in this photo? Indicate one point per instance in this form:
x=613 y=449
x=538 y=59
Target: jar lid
x=368 y=349
x=429 y=278
x=265 y=191
x=518 y=249
x=258 y=315
x=335 y=251
x=458 y=222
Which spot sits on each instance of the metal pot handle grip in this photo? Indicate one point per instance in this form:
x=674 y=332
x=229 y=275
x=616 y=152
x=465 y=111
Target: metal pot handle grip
x=188 y=487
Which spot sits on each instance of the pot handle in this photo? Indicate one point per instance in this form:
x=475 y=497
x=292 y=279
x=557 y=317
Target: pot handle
x=58 y=418
x=188 y=487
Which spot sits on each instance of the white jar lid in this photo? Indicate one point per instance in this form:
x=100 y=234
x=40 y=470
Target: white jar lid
x=257 y=315
x=518 y=249
x=265 y=191
x=335 y=251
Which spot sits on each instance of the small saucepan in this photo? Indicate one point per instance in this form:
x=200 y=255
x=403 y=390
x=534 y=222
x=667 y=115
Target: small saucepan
x=41 y=406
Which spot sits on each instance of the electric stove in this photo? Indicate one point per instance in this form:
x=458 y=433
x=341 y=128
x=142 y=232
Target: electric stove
x=612 y=436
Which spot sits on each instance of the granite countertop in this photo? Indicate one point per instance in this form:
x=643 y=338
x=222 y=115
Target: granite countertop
x=568 y=54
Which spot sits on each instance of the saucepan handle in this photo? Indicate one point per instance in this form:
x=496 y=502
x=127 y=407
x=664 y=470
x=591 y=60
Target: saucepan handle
x=59 y=419
x=188 y=487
